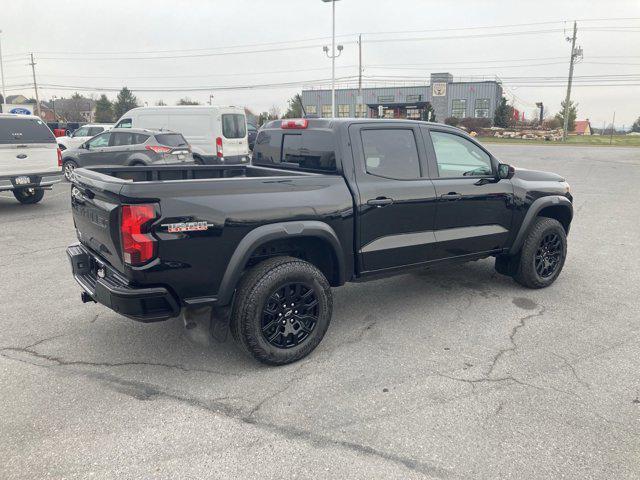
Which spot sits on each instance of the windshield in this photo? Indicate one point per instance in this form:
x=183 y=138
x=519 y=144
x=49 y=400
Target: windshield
x=171 y=140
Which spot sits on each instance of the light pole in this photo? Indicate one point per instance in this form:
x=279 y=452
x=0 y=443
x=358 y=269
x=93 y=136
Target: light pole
x=333 y=55
x=53 y=106
x=4 y=93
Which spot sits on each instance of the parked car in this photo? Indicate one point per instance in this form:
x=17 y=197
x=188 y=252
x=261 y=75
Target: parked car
x=29 y=157
x=325 y=201
x=128 y=146
x=217 y=135
x=82 y=134
x=251 y=135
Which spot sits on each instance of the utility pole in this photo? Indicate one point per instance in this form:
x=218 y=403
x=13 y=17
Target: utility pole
x=4 y=93
x=613 y=127
x=360 y=65
x=574 y=54
x=35 y=86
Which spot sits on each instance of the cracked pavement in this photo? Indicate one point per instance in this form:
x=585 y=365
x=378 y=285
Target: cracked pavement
x=447 y=373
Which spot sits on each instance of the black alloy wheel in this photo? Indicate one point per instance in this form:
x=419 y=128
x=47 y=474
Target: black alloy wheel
x=548 y=255
x=290 y=315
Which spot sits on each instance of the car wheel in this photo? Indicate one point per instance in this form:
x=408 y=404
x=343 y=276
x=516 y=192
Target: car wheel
x=282 y=310
x=28 y=195
x=68 y=166
x=543 y=254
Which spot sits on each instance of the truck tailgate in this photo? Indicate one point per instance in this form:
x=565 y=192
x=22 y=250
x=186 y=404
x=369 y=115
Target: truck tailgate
x=28 y=159
x=95 y=209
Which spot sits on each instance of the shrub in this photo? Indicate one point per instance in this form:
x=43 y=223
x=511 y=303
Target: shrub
x=453 y=121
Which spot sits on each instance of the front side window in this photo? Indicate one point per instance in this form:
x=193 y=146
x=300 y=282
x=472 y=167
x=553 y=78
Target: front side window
x=311 y=109
x=459 y=108
x=343 y=110
x=326 y=111
x=482 y=108
x=124 y=123
x=99 y=141
x=458 y=157
x=391 y=153
x=234 y=125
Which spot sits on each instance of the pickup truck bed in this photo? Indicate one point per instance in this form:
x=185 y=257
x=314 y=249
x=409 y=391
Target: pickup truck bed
x=325 y=201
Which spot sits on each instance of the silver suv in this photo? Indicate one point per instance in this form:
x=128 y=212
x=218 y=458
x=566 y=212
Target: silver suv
x=130 y=147
x=30 y=159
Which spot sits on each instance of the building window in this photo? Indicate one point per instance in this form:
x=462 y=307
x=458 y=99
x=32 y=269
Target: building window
x=482 y=107
x=311 y=109
x=413 y=98
x=360 y=110
x=326 y=111
x=413 y=113
x=343 y=110
x=386 y=98
x=389 y=113
x=459 y=108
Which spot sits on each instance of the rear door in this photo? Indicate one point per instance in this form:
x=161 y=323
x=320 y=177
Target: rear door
x=234 y=134
x=396 y=212
x=475 y=209
x=27 y=146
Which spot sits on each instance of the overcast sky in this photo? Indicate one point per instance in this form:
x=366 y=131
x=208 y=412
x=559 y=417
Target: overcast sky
x=76 y=44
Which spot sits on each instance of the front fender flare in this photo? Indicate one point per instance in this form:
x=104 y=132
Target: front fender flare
x=532 y=213
x=275 y=231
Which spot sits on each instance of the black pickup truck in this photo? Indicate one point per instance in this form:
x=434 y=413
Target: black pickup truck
x=325 y=201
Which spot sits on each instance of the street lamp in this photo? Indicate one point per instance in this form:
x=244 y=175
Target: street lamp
x=53 y=106
x=333 y=55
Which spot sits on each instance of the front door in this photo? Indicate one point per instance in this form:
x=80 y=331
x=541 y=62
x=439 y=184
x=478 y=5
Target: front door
x=474 y=208
x=95 y=152
x=396 y=211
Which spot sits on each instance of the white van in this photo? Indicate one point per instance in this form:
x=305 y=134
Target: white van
x=217 y=134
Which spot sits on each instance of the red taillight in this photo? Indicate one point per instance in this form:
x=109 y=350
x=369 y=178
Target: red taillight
x=138 y=246
x=219 y=147
x=158 y=148
x=59 y=157
x=297 y=123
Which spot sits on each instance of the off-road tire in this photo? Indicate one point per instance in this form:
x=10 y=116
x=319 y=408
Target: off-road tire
x=526 y=273
x=255 y=288
x=28 y=196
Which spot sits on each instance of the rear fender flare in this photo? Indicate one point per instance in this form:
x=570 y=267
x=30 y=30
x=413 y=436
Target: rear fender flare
x=532 y=213
x=267 y=233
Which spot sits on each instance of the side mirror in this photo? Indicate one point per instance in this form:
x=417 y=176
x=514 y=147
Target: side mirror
x=505 y=171
x=85 y=146
x=69 y=134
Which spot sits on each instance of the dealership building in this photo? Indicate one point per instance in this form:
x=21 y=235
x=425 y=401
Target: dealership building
x=444 y=96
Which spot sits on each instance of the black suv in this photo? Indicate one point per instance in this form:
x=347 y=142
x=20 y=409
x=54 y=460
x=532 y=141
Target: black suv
x=128 y=146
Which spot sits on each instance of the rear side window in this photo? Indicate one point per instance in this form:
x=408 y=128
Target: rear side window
x=391 y=153
x=119 y=139
x=171 y=140
x=310 y=150
x=234 y=125
x=21 y=131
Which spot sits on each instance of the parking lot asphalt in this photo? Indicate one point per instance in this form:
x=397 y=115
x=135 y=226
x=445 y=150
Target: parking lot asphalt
x=454 y=373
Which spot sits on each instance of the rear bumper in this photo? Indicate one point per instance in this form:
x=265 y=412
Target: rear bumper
x=104 y=285
x=38 y=180
x=226 y=160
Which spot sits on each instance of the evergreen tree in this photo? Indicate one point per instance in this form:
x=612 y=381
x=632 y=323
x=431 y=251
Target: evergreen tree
x=573 y=112
x=125 y=101
x=294 y=109
x=504 y=114
x=104 y=110
x=636 y=126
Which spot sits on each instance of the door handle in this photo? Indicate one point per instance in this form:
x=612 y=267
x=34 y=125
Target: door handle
x=380 y=202
x=451 y=196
